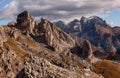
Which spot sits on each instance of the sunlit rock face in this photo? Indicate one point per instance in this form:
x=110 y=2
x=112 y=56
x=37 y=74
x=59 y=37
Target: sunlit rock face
x=2 y=36
x=54 y=37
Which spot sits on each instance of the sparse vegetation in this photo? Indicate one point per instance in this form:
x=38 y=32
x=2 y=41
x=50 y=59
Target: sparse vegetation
x=12 y=44
x=108 y=69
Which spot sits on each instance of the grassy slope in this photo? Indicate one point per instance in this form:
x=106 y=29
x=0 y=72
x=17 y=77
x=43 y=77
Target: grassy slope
x=108 y=69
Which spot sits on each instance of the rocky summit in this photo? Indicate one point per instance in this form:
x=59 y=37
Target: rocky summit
x=43 y=50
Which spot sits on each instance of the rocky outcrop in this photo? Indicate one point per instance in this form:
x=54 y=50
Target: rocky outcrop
x=54 y=37
x=86 y=49
x=87 y=52
x=2 y=36
x=25 y=23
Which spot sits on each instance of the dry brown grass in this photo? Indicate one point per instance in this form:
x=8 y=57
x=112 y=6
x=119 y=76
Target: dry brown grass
x=103 y=30
x=24 y=39
x=13 y=45
x=116 y=30
x=108 y=69
x=6 y=29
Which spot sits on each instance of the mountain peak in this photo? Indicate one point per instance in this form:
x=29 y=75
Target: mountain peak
x=24 y=14
x=60 y=24
x=93 y=19
x=25 y=22
x=43 y=20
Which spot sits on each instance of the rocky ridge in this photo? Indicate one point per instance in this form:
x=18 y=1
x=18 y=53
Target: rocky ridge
x=30 y=50
x=104 y=38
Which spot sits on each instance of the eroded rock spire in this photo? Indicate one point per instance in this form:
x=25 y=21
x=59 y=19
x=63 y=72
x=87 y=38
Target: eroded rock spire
x=25 y=22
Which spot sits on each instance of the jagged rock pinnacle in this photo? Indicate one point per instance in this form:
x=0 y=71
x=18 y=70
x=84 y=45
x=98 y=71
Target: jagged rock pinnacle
x=25 y=22
x=54 y=37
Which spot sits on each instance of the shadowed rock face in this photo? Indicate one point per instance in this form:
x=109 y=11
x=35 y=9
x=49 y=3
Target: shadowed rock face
x=86 y=49
x=87 y=52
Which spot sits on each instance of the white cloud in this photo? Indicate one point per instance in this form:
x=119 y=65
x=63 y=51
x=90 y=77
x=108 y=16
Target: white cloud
x=112 y=23
x=58 y=9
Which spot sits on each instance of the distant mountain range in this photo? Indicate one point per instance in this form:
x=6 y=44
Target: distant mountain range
x=103 y=37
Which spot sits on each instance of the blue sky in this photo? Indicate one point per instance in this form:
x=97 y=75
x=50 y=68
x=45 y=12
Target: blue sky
x=66 y=10
x=112 y=17
x=3 y=3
